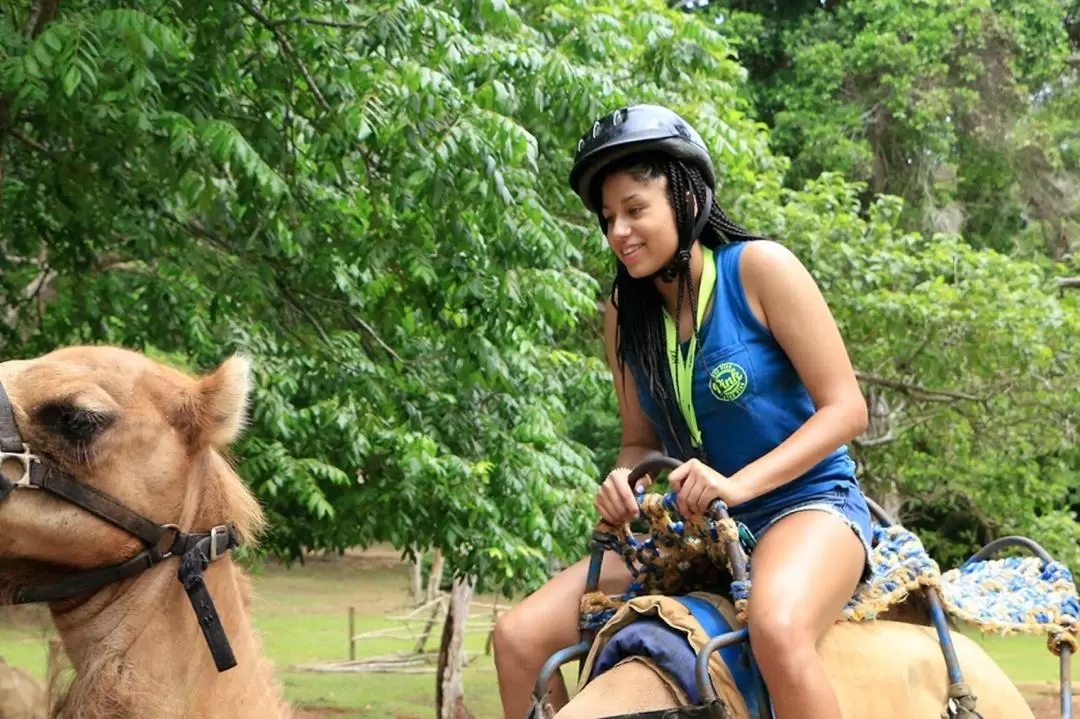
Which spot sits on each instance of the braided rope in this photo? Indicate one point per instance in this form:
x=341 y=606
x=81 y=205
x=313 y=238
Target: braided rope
x=1003 y=596
x=677 y=556
x=1016 y=595
x=900 y=566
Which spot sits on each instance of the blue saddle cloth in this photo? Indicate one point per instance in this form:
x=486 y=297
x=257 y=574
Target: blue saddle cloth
x=669 y=648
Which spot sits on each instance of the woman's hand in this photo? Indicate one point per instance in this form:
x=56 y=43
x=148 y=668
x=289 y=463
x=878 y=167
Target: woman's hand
x=615 y=501
x=696 y=486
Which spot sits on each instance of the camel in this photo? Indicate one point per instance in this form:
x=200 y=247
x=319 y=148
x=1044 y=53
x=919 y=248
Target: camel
x=882 y=669
x=152 y=438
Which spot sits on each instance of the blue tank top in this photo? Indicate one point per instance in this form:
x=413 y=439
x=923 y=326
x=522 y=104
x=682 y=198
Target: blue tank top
x=748 y=398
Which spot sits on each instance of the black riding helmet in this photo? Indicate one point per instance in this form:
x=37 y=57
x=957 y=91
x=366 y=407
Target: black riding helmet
x=637 y=129
x=634 y=129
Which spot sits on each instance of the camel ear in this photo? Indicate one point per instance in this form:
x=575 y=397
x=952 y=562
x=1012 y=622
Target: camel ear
x=216 y=411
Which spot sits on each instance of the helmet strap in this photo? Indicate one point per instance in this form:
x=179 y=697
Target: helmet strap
x=687 y=234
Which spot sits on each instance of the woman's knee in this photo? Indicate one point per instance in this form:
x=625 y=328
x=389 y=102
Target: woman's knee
x=779 y=637
x=514 y=635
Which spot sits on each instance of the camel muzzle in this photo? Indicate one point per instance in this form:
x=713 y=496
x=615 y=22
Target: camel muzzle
x=161 y=541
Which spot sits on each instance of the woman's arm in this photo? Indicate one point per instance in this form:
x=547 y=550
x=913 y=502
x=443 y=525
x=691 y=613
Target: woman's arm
x=786 y=298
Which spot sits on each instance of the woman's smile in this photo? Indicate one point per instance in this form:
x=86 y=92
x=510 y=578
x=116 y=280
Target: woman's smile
x=631 y=253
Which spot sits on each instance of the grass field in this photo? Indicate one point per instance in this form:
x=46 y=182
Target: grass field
x=302 y=614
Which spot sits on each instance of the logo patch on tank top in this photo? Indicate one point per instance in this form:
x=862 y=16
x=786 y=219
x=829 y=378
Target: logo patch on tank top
x=728 y=381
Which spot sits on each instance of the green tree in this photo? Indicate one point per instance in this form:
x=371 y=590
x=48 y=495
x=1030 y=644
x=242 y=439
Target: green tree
x=961 y=108
x=371 y=200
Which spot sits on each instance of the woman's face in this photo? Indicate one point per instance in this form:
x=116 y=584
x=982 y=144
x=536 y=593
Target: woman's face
x=640 y=222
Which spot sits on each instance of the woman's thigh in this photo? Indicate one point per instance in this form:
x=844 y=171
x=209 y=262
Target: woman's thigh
x=804 y=570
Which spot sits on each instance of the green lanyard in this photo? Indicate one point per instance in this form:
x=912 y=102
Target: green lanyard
x=683 y=380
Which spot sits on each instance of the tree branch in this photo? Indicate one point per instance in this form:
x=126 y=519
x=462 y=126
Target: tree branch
x=374 y=335
x=42 y=13
x=356 y=322
x=287 y=48
x=43 y=283
x=299 y=307
x=1073 y=282
x=42 y=289
x=31 y=142
x=201 y=232
x=933 y=395
x=889 y=438
x=297 y=20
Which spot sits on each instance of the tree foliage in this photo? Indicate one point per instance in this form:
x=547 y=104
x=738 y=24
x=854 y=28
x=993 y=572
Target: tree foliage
x=961 y=107
x=371 y=200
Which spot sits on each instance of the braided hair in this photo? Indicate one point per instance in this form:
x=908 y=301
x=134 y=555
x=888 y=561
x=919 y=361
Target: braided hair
x=640 y=338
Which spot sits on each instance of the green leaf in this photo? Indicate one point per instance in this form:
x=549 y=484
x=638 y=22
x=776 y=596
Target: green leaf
x=72 y=78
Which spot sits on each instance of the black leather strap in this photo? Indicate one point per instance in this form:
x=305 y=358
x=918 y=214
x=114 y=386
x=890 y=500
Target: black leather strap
x=10 y=439
x=221 y=538
x=85 y=582
x=83 y=495
x=715 y=710
x=192 y=567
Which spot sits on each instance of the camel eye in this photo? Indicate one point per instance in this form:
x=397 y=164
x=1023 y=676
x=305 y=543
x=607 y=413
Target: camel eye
x=77 y=425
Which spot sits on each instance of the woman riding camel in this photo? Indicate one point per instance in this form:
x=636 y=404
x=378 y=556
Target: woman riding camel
x=756 y=396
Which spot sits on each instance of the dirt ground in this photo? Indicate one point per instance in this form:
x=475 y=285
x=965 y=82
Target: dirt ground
x=1044 y=701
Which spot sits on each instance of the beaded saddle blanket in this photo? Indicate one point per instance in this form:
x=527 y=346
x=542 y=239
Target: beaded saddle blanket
x=1000 y=596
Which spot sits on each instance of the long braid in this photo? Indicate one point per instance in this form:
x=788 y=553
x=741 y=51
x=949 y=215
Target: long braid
x=722 y=226
x=678 y=188
x=640 y=337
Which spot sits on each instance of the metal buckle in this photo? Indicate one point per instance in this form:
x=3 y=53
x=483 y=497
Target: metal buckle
x=168 y=539
x=221 y=530
x=24 y=458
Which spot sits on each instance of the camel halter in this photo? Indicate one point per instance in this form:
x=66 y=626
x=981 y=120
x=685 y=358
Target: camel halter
x=162 y=541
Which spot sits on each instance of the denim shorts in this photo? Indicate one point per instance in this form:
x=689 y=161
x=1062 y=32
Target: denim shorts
x=843 y=499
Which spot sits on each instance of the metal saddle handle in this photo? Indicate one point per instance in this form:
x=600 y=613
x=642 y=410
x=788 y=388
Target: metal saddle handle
x=652 y=465
x=656 y=463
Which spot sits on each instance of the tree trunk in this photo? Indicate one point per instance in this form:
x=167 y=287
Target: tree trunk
x=491 y=634
x=416 y=579
x=449 y=689
x=435 y=577
x=422 y=642
x=891 y=501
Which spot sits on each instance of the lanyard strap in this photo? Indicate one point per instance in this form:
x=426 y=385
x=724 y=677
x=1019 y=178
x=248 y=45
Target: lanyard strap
x=682 y=367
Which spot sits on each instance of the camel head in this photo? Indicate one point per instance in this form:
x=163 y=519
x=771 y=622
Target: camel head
x=146 y=435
